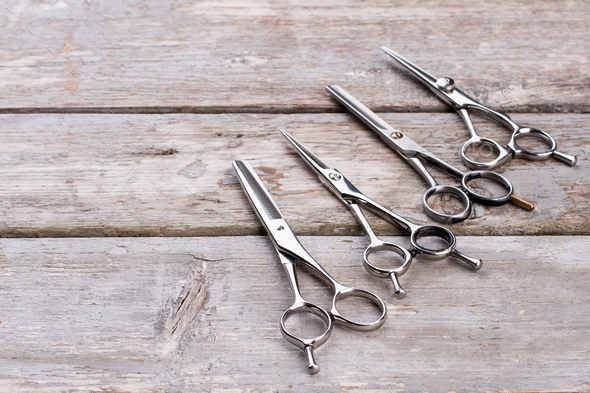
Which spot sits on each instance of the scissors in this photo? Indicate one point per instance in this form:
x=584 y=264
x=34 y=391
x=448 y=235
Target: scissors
x=291 y=251
x=444 y=88
x=411 y=152
x=353 y=198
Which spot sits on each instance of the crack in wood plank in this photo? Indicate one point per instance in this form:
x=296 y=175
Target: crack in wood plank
x=117 y=313
x=178 y=313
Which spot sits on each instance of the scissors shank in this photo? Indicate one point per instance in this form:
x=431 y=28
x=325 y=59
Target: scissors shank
x=415 y=163
x=385 y=213
x=362 y=219
x=493 y=115
x=443 y=165
x=286 y=242
x=289 y=266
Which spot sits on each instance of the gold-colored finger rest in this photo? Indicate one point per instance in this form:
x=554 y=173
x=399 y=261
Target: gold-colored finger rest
x=520 y=202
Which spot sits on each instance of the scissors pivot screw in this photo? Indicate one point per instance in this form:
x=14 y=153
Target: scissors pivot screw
x=280 y=228
x=446 y=84
x=335 y=176
x=397 y=135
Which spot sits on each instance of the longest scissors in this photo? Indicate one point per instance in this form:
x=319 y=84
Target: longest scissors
x=291 y=251
x=354 y=199
x=444 y=88
x=410 y=151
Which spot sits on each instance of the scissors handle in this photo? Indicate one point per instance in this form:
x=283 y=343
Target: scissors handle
x=551 y=151
x=377 y=245
x=343 y=292
x=300 y=305
x=307 y=344
x=478 y=142
x=286 y=242
x=447 y=218
x=462 y=103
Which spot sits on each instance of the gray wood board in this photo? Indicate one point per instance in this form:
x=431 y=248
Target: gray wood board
x=68 y=175
x=254 y=56
x=180 y=314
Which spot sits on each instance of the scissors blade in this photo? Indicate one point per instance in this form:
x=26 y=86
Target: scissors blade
x=395 y=139
x=362 y=112
x=267 y=211
x=424 y=76
x=263 y=204
x=330 y=177
x=280 y=233
x=454 y=97
x=312 y=160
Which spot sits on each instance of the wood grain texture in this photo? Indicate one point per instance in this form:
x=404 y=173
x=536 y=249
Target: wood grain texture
x=255 y=56
x=171 y=175
x=91 y=314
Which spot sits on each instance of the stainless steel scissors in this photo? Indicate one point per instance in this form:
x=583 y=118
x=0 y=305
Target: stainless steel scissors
x=444 y=88
x=376 y=244
x=410 y=151
x=291 y=251
x=353 y=198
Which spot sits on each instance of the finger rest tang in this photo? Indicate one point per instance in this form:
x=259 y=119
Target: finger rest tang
x=399 y=292
x=475 y=263
x=570 y=160
x=312 y=367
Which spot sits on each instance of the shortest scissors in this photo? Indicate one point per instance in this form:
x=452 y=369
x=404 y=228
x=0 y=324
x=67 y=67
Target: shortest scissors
x=290 y=250
x=444 y=88
x=353 y=198
x=410 y=151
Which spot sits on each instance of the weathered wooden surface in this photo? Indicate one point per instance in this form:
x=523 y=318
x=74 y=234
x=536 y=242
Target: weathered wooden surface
x=171 y=175
x=201 y=314
x=103 y=315
x=215 y=57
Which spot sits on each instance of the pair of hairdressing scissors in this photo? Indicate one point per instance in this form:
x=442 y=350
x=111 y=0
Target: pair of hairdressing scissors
x=291 y=251
x=411 y=152
x=444 y=88
x=354 y=199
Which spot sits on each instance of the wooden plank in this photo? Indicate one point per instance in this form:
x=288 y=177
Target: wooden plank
x=227 y=56
x=99 y=314
x=171 y=175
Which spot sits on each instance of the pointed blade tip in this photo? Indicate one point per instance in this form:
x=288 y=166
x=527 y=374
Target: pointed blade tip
x=309 y=157
x=288 y=136
x=389 y=51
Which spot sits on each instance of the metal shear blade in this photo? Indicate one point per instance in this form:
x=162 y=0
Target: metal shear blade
x=424 y=76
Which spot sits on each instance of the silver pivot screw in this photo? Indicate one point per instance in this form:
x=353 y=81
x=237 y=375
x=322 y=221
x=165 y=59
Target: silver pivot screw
x=446 y=84
x=335 y=176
